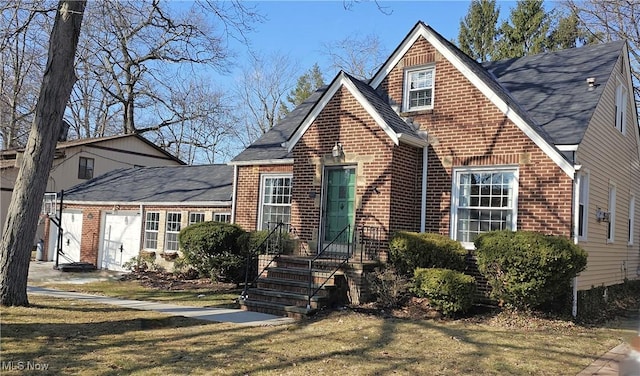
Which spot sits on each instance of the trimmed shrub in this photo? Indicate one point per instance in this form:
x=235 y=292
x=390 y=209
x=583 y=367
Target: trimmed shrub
x=529 y=270
x=212 y=249
x=449 y=291
x=389 y=288
x=410 y=250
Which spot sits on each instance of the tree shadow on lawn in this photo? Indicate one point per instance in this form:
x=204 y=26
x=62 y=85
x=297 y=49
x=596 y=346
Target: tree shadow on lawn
x=128 y=341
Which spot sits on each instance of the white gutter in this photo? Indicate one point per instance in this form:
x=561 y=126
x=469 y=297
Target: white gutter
x=142 y=224
x=423 y=201
x=152 y=203
x=262 y=162
x=234 y=193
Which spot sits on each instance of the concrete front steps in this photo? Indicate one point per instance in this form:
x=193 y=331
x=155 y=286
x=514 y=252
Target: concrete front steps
x=283 y=288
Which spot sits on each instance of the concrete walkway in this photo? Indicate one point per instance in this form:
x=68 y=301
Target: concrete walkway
x=235 y=316
x=42 y=271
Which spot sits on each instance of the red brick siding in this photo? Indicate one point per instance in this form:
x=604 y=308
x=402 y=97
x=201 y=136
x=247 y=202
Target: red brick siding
x=466 y=129
x=366 y=146
x=248 y=192
x=406 y=189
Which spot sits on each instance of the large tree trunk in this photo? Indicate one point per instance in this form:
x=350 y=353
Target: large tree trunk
x=22 y=218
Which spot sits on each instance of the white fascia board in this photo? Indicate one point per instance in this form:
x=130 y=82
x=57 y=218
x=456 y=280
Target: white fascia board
x=151 y=203
x=567 y=147
x=283 y=161
x=412 y=140
x=421 y=31
x=341 y=80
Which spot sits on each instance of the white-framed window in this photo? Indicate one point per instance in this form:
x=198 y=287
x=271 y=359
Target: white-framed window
x=611 y=228
x=632 y=212
x=172 y=231
x=195 y=217
x=275 y=200
x=583 y=205
x=621 y=107
x=418 y=89
x=222 y=217
x=151 y=226
x=483 y=199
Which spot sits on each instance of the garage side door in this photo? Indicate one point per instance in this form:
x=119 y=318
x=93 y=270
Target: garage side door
x=71 y=236
x=121 y=239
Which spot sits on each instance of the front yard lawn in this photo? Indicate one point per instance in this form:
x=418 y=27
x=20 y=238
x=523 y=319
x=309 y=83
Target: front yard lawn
x=79 y=337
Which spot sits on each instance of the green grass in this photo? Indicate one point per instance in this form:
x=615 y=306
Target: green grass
x=80 y=337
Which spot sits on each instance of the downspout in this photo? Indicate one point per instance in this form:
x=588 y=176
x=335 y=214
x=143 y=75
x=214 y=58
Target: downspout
x=233 y=193
x=577 y=181
x=142 y=225
x=423 y=201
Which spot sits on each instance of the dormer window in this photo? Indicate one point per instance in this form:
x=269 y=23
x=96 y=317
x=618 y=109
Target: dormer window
x=418 y=89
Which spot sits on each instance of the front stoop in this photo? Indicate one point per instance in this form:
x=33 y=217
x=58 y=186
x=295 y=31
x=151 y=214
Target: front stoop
x=283 y=288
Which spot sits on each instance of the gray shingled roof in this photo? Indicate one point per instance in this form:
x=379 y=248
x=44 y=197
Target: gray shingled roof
x=383 y=108
x=269 y=146
x=205 y=183
x=548 y=91
x=552 y=87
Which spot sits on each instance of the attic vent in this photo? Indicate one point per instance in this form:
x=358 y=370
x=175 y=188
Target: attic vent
x=591 y=81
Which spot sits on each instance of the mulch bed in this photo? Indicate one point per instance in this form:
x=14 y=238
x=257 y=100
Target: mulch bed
x=171 y=281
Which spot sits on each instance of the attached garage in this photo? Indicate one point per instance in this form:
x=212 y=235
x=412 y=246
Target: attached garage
x=71 y=224
x=119 y=239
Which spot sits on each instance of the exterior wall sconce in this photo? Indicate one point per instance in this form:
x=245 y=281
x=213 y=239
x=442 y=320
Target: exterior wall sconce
x=602 y=216
x=337 y=150
x=90 y=216
x=376 y=190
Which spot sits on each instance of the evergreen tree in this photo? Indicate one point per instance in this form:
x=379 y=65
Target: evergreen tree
x=478 y=31
x=527 y=31
x=307 y=84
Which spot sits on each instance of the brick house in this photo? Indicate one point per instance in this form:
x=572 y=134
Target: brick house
x=112 y=218
x=436 y=142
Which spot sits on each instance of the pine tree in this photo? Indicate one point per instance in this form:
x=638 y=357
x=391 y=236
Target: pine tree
x=527 y=31
x=307 y=84
x=478 y=31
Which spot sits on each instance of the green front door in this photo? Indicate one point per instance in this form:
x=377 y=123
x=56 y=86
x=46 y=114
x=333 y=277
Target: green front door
x=339 y=204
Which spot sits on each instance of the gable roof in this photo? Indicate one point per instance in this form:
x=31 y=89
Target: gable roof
x=269 y=147
x=62 y=145
x=189 y=185
x=396 y=128
x=552 y=87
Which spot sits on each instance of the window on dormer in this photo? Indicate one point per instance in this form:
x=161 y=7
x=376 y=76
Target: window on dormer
x=418 y=94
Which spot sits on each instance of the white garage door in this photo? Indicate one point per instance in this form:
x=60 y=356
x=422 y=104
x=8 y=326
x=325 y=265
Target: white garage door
x=71 y=235
x=120 y=240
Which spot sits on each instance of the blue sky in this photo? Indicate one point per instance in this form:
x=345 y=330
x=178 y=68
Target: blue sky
x=300 y=28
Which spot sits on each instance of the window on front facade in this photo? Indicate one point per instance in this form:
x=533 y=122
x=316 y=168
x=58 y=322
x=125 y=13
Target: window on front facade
x=172 y=231
x=222 y=217
x=85 y=168
x=418 y=93
x=275 y=200
x=632 y=211
x=483 y=200
x=151 y=225
x=583 y=205
x=621 y=107
x=195 y=218
x=612 y=215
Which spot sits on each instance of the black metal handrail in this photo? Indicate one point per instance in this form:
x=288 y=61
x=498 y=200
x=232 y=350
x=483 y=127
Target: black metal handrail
x=369 y=240
x=277 y=230
x=340 y=257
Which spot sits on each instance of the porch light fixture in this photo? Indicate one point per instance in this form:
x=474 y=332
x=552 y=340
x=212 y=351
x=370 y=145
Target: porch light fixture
x=602 y=216
x=337 y=150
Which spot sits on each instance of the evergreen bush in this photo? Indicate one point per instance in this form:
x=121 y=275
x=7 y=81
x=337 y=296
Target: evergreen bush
x=449 y=291
x=213 y=249
x=410 y=250
x=529 y=270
